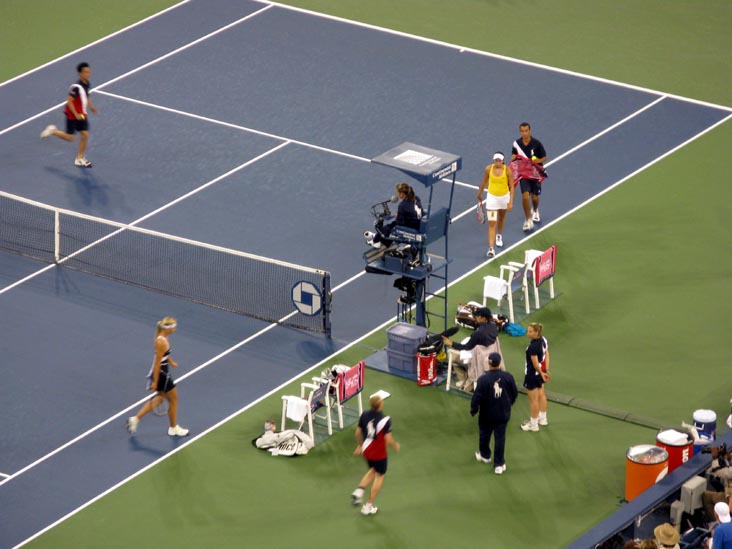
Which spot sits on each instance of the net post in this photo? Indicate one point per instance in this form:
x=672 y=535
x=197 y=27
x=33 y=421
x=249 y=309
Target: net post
x=326 y=304
x=56 y=236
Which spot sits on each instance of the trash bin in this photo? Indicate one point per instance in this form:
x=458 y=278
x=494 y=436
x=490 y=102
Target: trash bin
x=680 y=447
x=644 y=466
x=426 y=368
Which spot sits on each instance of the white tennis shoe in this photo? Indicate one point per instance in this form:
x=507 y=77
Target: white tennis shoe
x=132 y=424
x=500 y=469
x=177 y=431
x=356 y=496
x=368 y=509
x=481 y=458
x=499 y=241
x=48 y=132
x=535 y=216
x=528 y=426
x=82 y=163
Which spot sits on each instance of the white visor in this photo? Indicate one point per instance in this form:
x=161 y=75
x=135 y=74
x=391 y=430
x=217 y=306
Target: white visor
x=498 y=156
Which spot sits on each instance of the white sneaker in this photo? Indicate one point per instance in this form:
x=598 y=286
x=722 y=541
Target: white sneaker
x=368 y=509
x=491 y=252
x=369 y=235
x=499 y=241
x=356 y=496
x=543 y=421
x=82 y=163
x=132 y=424
x=527 y=225
x=479 y=457
x=500 y=469
x=48 y=132
x=177 y=431
x=527 y=426
x=535 y=216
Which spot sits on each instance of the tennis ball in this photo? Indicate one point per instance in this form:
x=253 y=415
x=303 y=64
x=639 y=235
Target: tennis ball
x=534 y=158
x=82 y=117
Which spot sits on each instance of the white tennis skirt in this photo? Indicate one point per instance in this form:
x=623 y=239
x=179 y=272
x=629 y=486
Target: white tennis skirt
x=493 y=202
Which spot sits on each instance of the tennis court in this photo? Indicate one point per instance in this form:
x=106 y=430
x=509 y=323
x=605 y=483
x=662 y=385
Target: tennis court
x=268 y=153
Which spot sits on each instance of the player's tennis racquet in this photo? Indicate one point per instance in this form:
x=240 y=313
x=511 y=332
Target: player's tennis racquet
x=480 y=212
x=157 y=400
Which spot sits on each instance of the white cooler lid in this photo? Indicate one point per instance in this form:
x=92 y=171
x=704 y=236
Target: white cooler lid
x=673 y=437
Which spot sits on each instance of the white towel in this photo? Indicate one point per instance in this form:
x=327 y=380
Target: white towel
x=297 y=408
x=465 y=356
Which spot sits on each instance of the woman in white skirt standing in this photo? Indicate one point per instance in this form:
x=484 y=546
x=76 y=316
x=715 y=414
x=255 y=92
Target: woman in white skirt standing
x=499 y=181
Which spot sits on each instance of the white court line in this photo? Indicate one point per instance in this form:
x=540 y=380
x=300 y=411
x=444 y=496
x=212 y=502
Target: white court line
x=494 y=55
x=587 y=142
x=4 y=475
x=142 y=67
x=340 y=286
x=285 y=142
x=361 y=158
x=154 y=212
x=353 y=343
x=96 y=42
x=230 y=125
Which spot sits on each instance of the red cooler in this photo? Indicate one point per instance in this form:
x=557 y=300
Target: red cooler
x=680 y=447
x=426 y=368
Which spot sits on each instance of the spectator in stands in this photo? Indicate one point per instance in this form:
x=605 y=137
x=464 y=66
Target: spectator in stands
x=648 y=544
x=667 y=536
x=536 y=374
x=494 y=395
x=720 y=480
x=373 y=435
x=723 y=531
x=499 y=180
x=409 y=214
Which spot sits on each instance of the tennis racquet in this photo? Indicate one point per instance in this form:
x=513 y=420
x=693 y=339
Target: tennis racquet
x=158 y=402
x=480 y=212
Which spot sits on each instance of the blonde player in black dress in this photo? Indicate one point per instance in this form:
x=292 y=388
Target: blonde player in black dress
x=161 y=382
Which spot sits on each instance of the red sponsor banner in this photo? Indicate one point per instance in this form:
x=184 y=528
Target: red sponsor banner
x=544 y=265
x=351 y=381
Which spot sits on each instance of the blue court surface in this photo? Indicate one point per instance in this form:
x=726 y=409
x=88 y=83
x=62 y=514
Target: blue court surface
x=252 y=129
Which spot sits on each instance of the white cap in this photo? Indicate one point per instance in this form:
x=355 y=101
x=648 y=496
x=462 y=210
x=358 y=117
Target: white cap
x=722 y=511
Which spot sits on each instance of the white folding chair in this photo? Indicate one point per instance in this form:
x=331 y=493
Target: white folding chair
x=317 y=397
x=495 y=287
x=530 y=258
x=511 y=277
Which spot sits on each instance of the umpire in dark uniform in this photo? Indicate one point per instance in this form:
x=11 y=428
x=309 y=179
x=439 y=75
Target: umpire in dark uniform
x=494 y=395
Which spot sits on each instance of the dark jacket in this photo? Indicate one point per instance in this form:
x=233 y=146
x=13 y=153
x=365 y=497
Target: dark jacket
x=485 y=334
x=494 y=395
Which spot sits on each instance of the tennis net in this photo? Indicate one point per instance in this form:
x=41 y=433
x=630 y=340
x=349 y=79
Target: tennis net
x=242 y=283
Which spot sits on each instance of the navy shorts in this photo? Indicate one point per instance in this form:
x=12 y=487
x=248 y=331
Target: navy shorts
x=379 y=466
x=533 y=381
x=531 y=186
x=73 y=126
